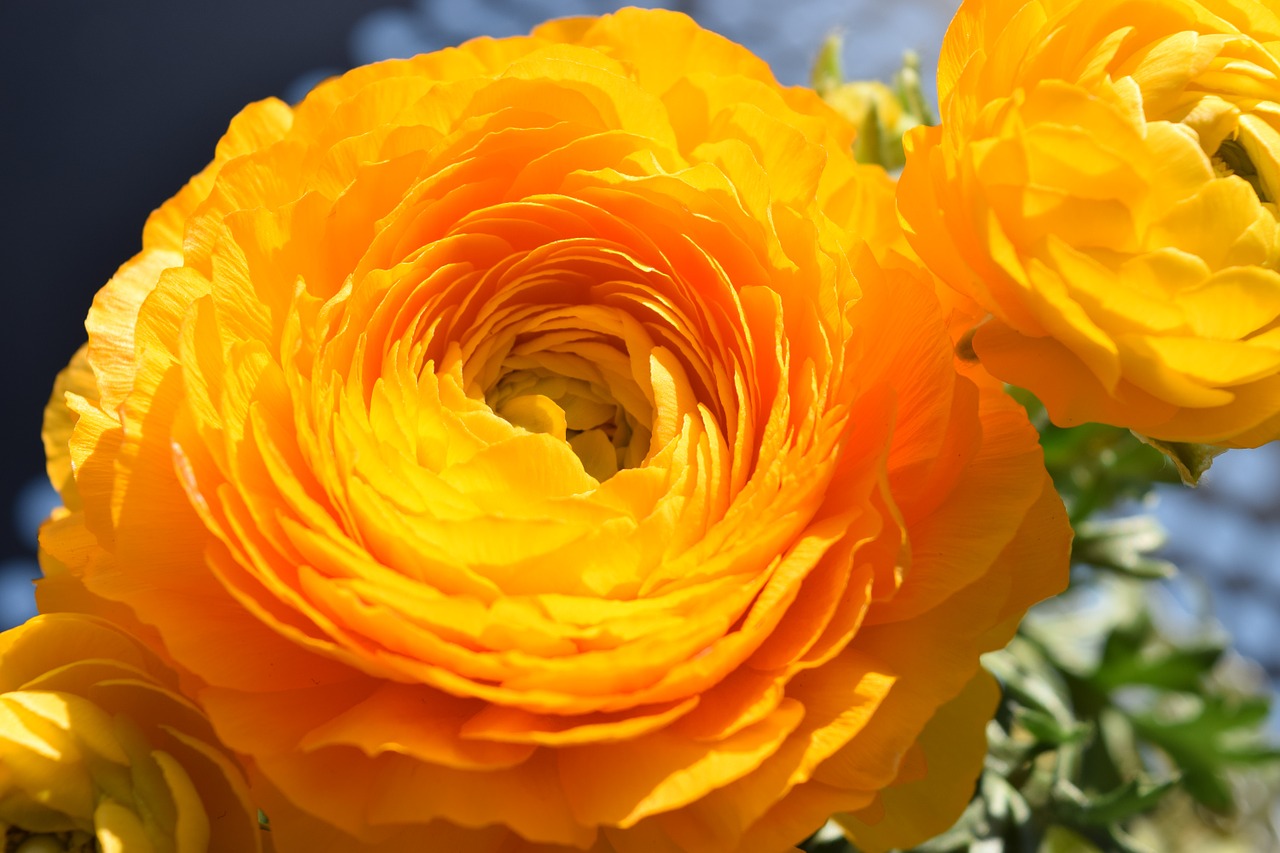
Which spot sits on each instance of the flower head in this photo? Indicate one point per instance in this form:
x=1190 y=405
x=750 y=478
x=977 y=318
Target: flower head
x=98 y=751
x=1103 y=188
x=555 y=457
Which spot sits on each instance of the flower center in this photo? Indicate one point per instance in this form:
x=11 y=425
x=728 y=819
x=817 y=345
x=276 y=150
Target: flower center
x=568 y=405
x=17 y=840
x=1232 y=158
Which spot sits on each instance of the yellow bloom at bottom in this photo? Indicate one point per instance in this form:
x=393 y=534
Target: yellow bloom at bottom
x=98 y=753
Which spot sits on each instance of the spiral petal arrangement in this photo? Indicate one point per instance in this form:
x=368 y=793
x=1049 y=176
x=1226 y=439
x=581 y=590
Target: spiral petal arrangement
x=534 y=427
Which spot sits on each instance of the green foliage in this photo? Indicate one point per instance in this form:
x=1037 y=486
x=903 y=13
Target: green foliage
x=1190 y=460
x=1096 y=466
x=828 y=71
x=909 y=88
x=880 y=131
x=1107 y=720
x=1206 y=739
x=1123 y=545
x=1084 y=745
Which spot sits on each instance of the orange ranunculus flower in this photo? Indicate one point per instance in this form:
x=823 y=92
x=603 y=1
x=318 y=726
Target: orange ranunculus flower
x=1103 y=188
x=97 y=746
x=518 y=447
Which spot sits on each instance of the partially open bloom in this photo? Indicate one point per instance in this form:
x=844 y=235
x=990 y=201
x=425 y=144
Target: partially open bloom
x=552 y=461
x=98 y=751
x=1103 y=188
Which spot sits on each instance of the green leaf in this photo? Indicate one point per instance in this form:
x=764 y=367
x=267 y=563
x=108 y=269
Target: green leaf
x=1004 y=802
x=1211 y=790
x=1075 y=807
x=1205 y=742
x=1059 y=839
x=1029 y=677
x=1048 y=730
x=1095 y=465
x=1256 y=753
x=827 y=72
x=1119 y=841
x=1118 y=742
x=908 y=85
x=868 y=145
x=1134 y=653
x=1005 y=753
x=1123 y=545
x=1191 y=460
x=1177 y=669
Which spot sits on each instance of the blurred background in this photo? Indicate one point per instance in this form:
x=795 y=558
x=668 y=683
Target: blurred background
x=109 y=107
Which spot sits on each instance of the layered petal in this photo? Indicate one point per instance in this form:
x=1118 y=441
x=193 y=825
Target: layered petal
x=99 y=749
x=564 y=449
x=1101 y=194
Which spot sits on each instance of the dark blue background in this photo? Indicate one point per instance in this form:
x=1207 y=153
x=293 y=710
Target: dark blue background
x=105 y=110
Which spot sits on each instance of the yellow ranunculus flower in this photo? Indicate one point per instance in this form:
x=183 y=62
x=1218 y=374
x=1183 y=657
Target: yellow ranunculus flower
x=99 y=752
x=856 y=99
x=1103 y=187
x=523 y=447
